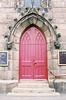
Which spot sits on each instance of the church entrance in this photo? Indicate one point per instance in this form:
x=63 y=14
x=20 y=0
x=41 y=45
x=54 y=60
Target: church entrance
x=33 y=54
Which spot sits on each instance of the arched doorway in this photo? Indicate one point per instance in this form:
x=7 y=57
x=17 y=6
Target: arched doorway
x=33 y=54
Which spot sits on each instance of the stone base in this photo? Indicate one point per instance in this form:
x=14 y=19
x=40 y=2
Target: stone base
x=58 y=84
x=7 y=85
x=33 y=88
x=34 y=94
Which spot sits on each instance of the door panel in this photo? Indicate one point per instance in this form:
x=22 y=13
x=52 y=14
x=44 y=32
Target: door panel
x=33 y=55
x=26 y=60
x=40 y=56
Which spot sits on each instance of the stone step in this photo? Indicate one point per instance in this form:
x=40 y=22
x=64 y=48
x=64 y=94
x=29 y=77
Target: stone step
x=33 y=85
x=32 y=90
x=34 y=94
x=33 y=81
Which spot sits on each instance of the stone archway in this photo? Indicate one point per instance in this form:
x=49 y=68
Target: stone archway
x=35 y=19
x=24 y=23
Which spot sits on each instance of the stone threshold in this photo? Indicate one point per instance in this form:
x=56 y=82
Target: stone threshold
x=8 y=81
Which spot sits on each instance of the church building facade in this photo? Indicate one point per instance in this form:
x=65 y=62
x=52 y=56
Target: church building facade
x=32 y=42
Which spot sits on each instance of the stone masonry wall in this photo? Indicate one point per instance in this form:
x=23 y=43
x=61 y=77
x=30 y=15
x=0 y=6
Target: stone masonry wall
x=7 y=15
x=59 y=19
x=8 y=12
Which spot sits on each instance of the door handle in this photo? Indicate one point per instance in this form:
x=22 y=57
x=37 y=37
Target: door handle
x=35 y=63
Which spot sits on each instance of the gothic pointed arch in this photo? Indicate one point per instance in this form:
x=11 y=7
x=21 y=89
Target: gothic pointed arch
x=32 y=18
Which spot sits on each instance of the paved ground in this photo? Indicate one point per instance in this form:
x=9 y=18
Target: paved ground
x=5 y=97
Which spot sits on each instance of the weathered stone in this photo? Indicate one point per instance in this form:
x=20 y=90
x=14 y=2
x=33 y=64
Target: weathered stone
x=59 y=15
x=62 y=32
x=59 y=20
x=59 y=86
x=63 y=39
x=6 y=68
x=62 y=26
x=22 y=3
x=50 y=76
x=17 y=34
x=49 y=55
x=44 y=29
x=7 y=85
x=47 y=33
x=10 y=54
x=10 y=86
x=16 y=75
x=62 y=72
x=2 y=75
x=50 y=64
x=51 y=83
x=63 y=67
x=2 y=68
x=48 y=15
x=39 y=23
x=59 y=10
x=55 y=54
x=55 y=64
x=49 y=39
x=0 y=4
x=8 y=75
x=48 y=46
x=52 y=46
x=2 y=40
x=3 y=17
x=64 y=45
x=10 y=65
x=15 y=55
x=2 y=88
x=57 y=4
x=16 y=46
x=9 y=17
x=16 y=39
x=25 y=24
x=16 y=65
x=20 y=29
x=56 y=72
x=3 y=27
x=8 y=3
x=34 y=20
x=7 y=10
x=31 y=20
x=2 y=46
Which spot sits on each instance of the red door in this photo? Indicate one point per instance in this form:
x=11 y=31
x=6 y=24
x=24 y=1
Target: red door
x=33 y=55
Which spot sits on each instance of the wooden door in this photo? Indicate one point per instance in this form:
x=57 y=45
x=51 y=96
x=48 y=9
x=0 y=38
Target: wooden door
x=33 y=55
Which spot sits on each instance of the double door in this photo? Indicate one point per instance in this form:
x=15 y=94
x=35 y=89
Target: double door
x=33 y=55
